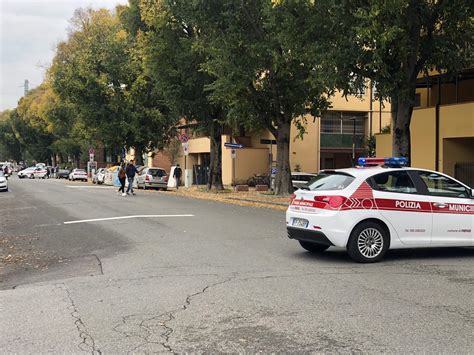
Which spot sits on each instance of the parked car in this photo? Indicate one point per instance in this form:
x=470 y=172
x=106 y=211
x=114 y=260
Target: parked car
x=301 y=179
x=152 y=177
x=99 y=177
x=78 y=174
x=63 y=174
x=3 y=182
x=40 y=173
x=27 y=173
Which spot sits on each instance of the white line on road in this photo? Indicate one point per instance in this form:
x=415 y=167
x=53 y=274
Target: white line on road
x=18 y=208
x=90 y=187
x=129 y=217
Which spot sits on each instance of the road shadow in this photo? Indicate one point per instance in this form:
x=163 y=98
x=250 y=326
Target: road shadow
x=340 y=256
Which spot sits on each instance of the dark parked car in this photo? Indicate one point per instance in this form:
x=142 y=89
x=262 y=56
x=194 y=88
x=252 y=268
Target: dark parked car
x=63 y=174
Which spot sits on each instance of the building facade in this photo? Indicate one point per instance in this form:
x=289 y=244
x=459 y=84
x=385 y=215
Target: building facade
x=327 y=144
x=442 y=126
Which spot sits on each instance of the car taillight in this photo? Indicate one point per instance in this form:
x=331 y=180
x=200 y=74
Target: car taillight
x=165 y=178
x=333 y=201
x=292 y=197
x=147 y=177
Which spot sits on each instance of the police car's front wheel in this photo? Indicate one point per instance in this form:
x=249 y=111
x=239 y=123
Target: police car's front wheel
x=313 y=247
x=368 y=242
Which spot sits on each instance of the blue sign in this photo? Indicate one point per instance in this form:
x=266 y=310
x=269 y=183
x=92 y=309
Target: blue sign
x=274 y=170
x=233 y=145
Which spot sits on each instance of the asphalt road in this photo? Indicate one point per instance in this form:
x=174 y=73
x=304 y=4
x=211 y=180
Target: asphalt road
x=211 y=278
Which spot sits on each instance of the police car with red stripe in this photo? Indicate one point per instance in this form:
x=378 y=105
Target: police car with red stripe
x=381 y=205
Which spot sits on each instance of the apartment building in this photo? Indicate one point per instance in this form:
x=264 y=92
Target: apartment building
x=442 y=126
x=327 y=144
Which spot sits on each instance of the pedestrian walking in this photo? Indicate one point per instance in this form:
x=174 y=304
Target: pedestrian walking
x=130 y=170
x=177 y=175
x=48 y=172
x=121 y=176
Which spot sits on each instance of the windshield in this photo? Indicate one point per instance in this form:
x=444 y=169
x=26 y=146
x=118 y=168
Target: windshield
x=329 y=181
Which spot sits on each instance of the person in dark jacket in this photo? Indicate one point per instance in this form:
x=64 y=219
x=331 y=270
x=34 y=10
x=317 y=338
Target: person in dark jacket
x=177 y=175
x=130 y=170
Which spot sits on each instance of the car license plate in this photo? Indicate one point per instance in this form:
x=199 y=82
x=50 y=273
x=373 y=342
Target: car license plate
x=300 y=222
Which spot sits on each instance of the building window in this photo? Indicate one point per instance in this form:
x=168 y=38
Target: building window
x=343 y=123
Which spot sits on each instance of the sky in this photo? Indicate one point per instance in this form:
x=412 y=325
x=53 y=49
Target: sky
x=29 y=33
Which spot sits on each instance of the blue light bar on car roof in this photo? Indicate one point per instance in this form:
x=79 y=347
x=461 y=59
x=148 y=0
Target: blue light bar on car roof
x=393 y=162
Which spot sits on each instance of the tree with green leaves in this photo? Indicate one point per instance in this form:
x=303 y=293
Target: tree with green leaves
x=258 y=53
x=392 y=43
x=10 y=146
x=99 y=71
x=169 y=36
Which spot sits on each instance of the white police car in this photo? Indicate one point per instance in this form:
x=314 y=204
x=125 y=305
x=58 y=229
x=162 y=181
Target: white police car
x=381 y=205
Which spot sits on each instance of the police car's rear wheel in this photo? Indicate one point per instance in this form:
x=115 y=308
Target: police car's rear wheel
x=313 y=247
x=368 y=242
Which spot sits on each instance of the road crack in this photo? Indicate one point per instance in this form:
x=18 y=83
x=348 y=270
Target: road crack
x=146 y=328
x=87 y=343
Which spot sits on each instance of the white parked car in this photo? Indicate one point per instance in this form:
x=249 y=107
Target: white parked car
x=369 y=210
x=99 y=177
x=3 y=182
x=27 y=173
x=152 y=177
x=78 y=174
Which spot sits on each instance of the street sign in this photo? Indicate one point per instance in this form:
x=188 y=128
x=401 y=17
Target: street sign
x=91 y=151
x=233 y=145
x=186 y=148
x=183 y=138
x=274 y=170
x=91 y=157
x=233 y=153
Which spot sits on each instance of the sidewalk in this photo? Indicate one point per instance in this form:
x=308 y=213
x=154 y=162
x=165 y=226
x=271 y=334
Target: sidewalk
x=250 y=198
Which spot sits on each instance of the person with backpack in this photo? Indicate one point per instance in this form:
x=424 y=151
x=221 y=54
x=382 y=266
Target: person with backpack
x=130 y=171
x=121 y=176
x=177 y=175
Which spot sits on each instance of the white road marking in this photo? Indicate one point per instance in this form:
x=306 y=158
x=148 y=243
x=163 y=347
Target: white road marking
x=129 y=217
x=18 y=208
x=90 y=187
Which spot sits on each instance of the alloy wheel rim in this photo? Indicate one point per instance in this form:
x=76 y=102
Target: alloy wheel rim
x=370 y=243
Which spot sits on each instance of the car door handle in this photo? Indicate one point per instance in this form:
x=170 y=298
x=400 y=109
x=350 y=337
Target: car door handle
x=439 y=205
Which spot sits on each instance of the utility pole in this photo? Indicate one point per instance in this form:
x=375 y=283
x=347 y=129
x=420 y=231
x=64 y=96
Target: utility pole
x=25 y=87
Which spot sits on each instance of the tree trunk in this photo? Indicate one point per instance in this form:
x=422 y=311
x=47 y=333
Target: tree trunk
x=283 y=183
x=215 y=170
x=138 y=155
x=400 y=126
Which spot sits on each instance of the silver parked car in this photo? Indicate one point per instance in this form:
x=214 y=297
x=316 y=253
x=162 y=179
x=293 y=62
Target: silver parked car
x=152 y=177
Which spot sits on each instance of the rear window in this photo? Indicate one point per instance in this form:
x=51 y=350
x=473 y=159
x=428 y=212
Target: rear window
x=302 y=177
x=156 y=172
x=80 y=171
x=330 y=181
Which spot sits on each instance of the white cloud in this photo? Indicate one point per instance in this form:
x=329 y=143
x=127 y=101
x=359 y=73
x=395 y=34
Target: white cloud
x=29 y=33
